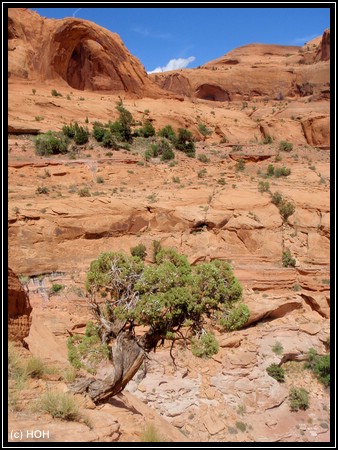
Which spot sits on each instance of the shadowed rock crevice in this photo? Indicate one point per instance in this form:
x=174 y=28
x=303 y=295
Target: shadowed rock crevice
x=212 y=92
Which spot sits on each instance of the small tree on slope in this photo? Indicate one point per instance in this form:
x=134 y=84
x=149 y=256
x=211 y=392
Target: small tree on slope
x=165 y=298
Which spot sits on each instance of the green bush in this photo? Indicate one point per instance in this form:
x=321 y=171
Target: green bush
x=263 y=186
x=51 y=143
x=270 y=171
x=60 y=405
x=285 y=146
x=277 y=198
x=277 y=348
x=299 y=399
x=168 y=133
x=81 y=135
x=185 y=142
x=319 y=365
x=87 y=351
x=35 y=367
x=55 y=93
x=147 y=130
x=277 y=372
x=203 y=158
x=140 y=251
x=286 y=209
x=287 y=259
x=56 y=288
x=267 y=139
x=123 y=125
x=241 y=426
x=84 y=192
x=202 y=128
x=69 y=130
x=204 y=347
x=42 y=190
x=240 y=165
x=108 y=140
x=98 y=131
x=237 y=317
x=282 y=172
x=165 y=150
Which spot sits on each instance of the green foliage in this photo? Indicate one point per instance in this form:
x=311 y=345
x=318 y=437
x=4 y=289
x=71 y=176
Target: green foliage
x=56 y=288
x=147 y=130
x=286 y=209
x=150 y=434
x=55 y=93
x=241 y=426
x=108 y=140
x=287 y=259
x=319 y=365
x=263 y=186
x=99 y=180
x=98 y=131
x=204 y=347
x=16 y=370
x=203 y=158
x=277 y=198
x=236 y=318
x=51 y=143
x=204 y=130
x=157 y=247
x=84 y=192
x=270 y=170
x=240 y=165
x=123 y=124
x=76 y=132
x=202 y=173
x=267 y=139
x=285 y=146
x=42 y=190
x=87 y=351
x=60 y=405
x=277 y=372
x=169 y=292
x=299 y=399
x=168 y=133
x=35 y=367
x=277 y=348
x=139 y=251
x=185 y=142
x=165 y=150
x=282 y=172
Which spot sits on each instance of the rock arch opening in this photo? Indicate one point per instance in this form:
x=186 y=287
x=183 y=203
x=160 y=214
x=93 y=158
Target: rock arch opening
x=213 y=93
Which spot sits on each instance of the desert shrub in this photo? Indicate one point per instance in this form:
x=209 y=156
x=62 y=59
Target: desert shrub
x=203 y=158
x=236 y=318
x=69 y=375
x=157 y=247
x=204 y=347
x=150 y=434
x=123 y=124
x=35 y=367
x=270 y=171
x=299 y=399
x=240 y=165
x=319 y=365
x=16 y=370
x=56 y=288
x=69 y=130
x=286 y=209
x=267 y=139
x=277 y=198
x=282 y=172
x=241 y=426
x=42 y=190
x=108 y=140
x=285 y=146
x=84 y=192
x=277 y=372
x=277 y=348
x=263 y=186
x=87 y=351
x=237 y=148
x=168 y=133
x=60 y=405
x=98 y=131
x=185 y=142
x=99 y=180
x=202 y=173
x=165 y=150
x=147 y=129
x=140 y=251
x=287 y=259
x=204 y=130
x=51 y=143
x=81 y=135
x=55 y=93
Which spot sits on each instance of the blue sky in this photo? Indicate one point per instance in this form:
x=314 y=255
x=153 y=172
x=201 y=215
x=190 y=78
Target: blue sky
x=171 y=38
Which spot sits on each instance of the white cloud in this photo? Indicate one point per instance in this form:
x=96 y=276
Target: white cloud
x=174 y=64
x=75 y=12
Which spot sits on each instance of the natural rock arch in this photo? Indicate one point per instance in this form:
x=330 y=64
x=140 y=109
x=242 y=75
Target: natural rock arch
x=212 y=92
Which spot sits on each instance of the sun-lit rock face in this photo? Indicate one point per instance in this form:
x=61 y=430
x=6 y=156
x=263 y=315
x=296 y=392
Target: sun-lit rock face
x=74 y=52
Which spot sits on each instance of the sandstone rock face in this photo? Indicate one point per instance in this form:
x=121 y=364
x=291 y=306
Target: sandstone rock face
x=19 y=309
x=253 y=71
x=73 y=52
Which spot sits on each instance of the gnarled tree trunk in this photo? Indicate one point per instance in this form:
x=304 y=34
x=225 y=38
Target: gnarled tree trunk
x=127 y=357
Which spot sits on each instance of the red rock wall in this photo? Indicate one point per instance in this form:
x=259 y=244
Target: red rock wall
x=19 y=309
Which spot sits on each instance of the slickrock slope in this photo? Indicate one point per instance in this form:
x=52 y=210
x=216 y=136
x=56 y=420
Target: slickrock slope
x=19 y=309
